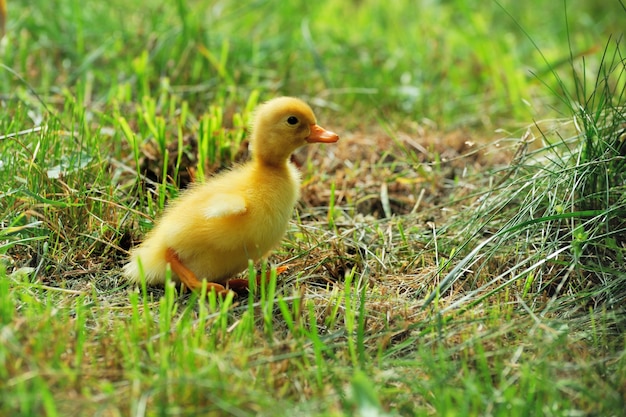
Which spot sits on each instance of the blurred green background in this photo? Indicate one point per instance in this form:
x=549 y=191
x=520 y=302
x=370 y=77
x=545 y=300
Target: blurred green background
x=456 y=62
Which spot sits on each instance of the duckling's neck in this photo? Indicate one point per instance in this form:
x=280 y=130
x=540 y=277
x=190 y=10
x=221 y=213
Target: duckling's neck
x=271 y=163
x=282 y=175
x=271 y=156
x=270 y=151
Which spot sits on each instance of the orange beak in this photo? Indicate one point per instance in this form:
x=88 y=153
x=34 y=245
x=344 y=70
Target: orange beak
x=319 y=134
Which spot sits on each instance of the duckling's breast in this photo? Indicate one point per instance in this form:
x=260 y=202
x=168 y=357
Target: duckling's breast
x=270 y=207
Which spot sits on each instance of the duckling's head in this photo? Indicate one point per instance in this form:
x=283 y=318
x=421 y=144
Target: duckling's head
x=281 y=126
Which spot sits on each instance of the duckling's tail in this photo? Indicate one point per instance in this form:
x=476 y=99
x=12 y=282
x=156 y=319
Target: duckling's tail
x=146 y=263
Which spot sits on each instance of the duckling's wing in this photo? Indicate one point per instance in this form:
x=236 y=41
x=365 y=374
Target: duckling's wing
x=222 y=205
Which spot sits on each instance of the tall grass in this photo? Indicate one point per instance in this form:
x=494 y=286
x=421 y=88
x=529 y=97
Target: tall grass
x=555 y=223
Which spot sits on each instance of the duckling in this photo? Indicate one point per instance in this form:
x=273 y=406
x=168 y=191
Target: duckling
x=213 y=229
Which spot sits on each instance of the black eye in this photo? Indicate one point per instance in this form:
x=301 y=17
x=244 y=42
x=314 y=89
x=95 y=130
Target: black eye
x=292 y=120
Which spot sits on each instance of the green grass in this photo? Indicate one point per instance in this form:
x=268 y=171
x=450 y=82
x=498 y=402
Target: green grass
x=459 y=252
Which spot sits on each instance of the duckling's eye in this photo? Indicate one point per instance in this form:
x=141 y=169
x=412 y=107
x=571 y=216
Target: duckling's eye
x=292 y=120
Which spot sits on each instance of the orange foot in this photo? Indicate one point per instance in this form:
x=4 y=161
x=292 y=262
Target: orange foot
x=187 y=276
x=241 y=286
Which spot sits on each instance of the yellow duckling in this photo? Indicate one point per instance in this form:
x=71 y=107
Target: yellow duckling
x=213 y=229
